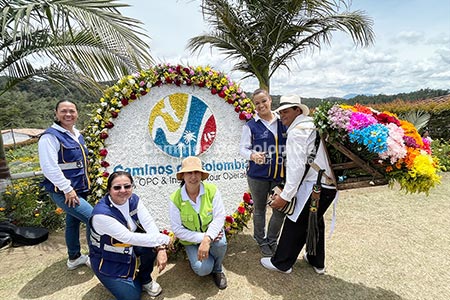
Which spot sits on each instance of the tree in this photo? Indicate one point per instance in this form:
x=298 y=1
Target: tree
x=68 y=41
x=264 y=35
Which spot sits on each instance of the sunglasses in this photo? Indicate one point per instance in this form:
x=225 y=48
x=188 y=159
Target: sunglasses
x=119 y=187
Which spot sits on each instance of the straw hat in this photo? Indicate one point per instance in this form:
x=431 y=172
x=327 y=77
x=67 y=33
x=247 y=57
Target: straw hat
x=191 y=164
x=292 y=101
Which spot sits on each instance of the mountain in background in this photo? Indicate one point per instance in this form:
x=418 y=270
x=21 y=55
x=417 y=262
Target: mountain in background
x=351 y=96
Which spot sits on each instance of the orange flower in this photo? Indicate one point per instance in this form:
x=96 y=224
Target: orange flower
x=59 y=211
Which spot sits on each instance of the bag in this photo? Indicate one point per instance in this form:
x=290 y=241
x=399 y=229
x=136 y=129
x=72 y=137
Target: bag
x=288 y=208
x=25 y=236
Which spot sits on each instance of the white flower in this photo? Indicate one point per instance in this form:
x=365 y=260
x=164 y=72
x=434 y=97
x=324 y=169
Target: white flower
x=99 y=193
x=131 y=81
x=99 y=180
x=103 y=104
x=99 y=111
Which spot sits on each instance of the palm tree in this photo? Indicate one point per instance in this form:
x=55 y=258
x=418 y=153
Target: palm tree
x=77 y=42
x=264 y=35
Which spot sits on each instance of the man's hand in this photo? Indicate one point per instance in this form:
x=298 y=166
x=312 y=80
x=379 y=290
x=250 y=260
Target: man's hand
x=277 y=202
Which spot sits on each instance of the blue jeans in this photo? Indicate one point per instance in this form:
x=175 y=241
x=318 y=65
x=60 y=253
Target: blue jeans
x=215 y=258
x=74 y=216
x=127 y=288
x=260 y=190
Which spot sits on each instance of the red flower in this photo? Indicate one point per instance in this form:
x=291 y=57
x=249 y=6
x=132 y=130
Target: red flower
x=103 y=152
x=188 y=82
x=178 y=82
x=166 y=232
x=133 y=96
x=230 y=100
x=105 y=174
x=143 y=92
x=213 y=91
x=241 y=209
x=247 y=197
x=242 y=116
x=124 y=101
x=110 y=125
x=229 y=219
x=201 y=84
x=222 y=94
x=168 y=80
x=178 y=68
x=103 y=135
x=104 y=164
x=237 y=109
x=114 y=114
x=158 y=83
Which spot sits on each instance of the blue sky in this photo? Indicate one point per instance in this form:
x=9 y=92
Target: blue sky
x=411 y=50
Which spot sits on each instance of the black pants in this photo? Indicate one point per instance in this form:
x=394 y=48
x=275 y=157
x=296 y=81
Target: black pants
x=293 y=236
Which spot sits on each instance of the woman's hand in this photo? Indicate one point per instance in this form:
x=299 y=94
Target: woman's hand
x=161 y=260
x=203 y=249
x=258 y=157
x=72 y=199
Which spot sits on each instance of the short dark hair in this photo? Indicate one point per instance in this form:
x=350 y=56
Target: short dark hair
x=116 y=174
x=260 y=91
x=65 y=100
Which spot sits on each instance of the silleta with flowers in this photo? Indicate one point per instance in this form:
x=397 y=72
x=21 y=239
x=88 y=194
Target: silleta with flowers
x=387 y=148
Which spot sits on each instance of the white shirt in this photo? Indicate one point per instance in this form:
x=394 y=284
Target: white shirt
x=106 y=225
x=214 y=227
x=301 y=136
x=48 y=148
x=245 y=147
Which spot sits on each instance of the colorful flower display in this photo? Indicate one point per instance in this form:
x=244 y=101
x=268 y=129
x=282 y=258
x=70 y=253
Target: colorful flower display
x=390 y=145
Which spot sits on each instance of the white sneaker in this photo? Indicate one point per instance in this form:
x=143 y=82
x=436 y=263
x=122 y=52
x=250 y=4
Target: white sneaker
x=319 y=271
x=152 y=288
x=266 y=263
x=82 y=260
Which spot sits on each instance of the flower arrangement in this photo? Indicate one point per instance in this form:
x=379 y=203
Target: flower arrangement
x=391 y=145
x=236 y=222
x=130 y=88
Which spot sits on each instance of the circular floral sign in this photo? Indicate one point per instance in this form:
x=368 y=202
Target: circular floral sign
x=180 y=110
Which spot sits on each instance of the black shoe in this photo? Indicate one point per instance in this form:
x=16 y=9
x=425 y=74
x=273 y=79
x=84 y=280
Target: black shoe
x=220 y=280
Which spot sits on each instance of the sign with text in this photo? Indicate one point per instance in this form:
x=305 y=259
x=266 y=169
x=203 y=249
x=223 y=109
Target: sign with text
x=153 y=134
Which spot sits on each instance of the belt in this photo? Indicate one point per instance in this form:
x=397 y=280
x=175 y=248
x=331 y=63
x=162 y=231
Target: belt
x=71 y=165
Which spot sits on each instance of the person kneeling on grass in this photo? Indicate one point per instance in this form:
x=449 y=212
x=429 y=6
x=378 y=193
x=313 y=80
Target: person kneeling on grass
x=197 y=216
x=122 y=230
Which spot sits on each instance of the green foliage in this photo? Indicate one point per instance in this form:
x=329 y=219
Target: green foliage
x=31 y=104
x=262 y=36
x=79 y=42
x=441 y=149
x=25 y=203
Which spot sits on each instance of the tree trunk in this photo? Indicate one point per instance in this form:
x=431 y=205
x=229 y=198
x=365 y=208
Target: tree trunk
x=5 y=175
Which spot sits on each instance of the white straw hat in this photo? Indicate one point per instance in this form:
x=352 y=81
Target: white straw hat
x=292 y=101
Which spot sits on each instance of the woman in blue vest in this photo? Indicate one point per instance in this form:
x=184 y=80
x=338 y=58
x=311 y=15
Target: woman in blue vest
x=197 y=217
x=122 y=230
x=63 y=160
x=262 y=143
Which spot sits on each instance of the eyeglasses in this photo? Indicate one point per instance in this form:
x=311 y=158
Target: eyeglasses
x=119 y=187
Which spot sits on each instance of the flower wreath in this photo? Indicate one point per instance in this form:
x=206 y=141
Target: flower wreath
x=130 y=88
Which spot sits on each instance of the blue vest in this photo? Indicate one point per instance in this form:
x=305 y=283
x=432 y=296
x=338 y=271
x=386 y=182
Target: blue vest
x=263 y=140
x=72 y=158
x=110 y=256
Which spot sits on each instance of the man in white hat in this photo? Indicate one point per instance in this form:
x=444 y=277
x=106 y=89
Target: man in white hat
x=301 y=142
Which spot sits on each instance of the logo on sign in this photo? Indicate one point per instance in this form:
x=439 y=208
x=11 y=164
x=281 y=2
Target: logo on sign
x=182 y=125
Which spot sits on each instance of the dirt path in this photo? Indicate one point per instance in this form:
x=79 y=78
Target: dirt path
x=386 y=245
